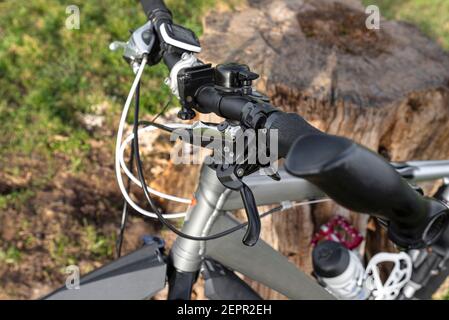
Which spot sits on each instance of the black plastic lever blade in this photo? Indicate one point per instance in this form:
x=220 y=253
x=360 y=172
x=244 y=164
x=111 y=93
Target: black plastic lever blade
x=253 y=231
x=228 y=177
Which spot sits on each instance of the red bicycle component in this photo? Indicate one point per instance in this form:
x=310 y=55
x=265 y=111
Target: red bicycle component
x=339 y=229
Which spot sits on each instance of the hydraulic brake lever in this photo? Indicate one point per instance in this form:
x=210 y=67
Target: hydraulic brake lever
x=231 y=177
x=211 y=135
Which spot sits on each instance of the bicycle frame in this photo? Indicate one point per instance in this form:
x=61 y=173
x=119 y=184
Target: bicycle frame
x=210 y=215
x=266 y=265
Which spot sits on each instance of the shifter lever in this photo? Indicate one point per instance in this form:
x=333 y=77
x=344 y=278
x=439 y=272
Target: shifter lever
x=139 y=44
x=231 y=177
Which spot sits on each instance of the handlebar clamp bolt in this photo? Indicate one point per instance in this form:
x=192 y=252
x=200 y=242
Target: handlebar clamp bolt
x=186 y=114
x=223 y=126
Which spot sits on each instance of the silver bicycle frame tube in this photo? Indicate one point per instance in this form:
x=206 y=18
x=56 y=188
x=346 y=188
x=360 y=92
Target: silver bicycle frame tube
x=430 y=172
x=426 y=170
x=261 y=262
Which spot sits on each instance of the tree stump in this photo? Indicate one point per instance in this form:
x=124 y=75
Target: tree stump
x=386 y=89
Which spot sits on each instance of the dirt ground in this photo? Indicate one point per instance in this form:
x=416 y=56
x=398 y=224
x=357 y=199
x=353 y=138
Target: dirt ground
x=72 y=219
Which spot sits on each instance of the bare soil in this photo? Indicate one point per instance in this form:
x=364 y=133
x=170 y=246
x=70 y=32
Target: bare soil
x=73 y=219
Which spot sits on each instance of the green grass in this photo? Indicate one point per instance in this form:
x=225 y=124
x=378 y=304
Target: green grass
x=12 y=255
x=58 y=250
x=62 y=249
x=432 y=16
x=51 y=75
x=16 y=197
x=98 y=244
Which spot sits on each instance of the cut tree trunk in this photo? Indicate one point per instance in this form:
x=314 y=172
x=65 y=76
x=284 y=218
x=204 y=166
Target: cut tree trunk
x=386 y=89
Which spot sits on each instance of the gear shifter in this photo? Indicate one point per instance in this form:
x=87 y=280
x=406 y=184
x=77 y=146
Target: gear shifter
x=139 y=44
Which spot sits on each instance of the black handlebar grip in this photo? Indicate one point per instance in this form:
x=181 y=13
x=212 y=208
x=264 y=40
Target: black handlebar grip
x=150 y=7
x=290 y=126
x=362 y=181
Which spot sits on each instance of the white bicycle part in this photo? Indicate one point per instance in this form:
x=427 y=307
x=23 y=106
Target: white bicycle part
x=133 y=178
x=399 y=276
x=118 y=144
x=187 y=60
x=177 y=43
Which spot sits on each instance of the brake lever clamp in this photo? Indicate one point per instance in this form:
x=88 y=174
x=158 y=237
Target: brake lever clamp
x=202 y=134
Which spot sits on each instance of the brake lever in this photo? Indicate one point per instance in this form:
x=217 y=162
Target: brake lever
x=253 y=232
x=231 y=177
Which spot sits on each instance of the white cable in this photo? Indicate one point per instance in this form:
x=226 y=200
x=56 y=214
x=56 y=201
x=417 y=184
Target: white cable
x=119 y=161
x=133 y=178
x=118 y=145
x=130 y=137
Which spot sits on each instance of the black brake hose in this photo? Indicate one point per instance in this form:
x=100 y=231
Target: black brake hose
x=125 y=210
x=148 y=197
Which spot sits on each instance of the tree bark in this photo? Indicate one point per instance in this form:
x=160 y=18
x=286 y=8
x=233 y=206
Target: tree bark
x=386 y=89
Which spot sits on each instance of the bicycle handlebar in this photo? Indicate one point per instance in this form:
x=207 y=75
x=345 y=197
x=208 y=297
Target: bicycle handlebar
x=350 y=174
x=362 y=181
x=290 y=126
x=156 y=8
